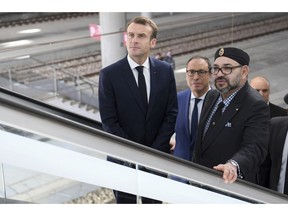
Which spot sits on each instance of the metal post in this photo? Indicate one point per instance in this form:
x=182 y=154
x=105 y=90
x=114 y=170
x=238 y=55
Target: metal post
x=10 y=79
x=112 y=37
x=138 y=198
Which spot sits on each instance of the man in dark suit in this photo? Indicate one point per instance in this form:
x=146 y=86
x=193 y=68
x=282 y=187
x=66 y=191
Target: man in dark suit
x=198 y=75
x=262 y=85
x=233 y=138
x=148 y=120
x=272 y=173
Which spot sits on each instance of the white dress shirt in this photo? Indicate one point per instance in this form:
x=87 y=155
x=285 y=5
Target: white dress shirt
x=146 y=72
x=199 y=105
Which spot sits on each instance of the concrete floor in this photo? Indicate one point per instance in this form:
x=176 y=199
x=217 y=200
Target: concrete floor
x=268 y=57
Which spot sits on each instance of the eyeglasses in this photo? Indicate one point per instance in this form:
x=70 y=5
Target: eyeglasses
x=200 y=73
x=224 y=70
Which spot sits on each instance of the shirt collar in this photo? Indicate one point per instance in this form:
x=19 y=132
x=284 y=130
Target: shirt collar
x=201 y=97
x=133 y=64
x=228 y=100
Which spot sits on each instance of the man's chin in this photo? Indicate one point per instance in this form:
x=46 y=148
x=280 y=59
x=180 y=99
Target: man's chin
x=222 y=89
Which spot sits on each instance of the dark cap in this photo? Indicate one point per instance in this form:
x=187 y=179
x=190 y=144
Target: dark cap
x=234 y=53
x=286 y=98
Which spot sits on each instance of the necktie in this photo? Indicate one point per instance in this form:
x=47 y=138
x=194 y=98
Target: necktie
x=142 y=85
x=217 y=114
x=194 y=119
x=194 y=125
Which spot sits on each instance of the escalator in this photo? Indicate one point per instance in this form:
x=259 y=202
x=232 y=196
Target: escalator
x=72 y=150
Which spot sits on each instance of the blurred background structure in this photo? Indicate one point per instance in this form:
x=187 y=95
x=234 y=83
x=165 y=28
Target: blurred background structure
x=55 y=58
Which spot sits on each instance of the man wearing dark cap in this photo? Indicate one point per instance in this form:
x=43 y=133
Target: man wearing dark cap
x=233 y=137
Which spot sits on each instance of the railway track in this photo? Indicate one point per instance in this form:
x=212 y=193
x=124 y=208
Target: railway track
x=89 y=64
x=18 y=19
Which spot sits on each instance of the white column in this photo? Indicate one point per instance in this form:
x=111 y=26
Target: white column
x=113 y=26
x=146 y=14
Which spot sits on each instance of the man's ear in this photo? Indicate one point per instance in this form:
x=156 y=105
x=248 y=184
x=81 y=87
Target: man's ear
x=153 y=42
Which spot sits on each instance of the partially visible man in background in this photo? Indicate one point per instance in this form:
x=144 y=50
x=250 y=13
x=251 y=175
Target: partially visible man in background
x=262 y=85
x=273 y=173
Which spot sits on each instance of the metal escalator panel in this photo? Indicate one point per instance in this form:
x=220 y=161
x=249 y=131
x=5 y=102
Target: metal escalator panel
x=33 y=170
x=69 y=149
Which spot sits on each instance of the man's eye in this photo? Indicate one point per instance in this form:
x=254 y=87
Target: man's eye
x=141 y=35
x=226 y=68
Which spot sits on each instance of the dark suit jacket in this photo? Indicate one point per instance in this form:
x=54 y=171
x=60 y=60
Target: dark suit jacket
x=242 y=134
x=276 y=110
x=122 y=110
x=183 y=141
x=270 y=170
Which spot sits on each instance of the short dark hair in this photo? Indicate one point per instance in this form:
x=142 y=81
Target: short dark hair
x=200 y=57
x=145 y=21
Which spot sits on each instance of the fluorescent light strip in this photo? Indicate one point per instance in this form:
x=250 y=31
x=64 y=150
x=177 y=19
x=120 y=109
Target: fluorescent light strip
x=29 y=31
x=16 y=43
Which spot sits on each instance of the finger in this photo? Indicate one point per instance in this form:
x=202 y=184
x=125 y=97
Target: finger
x=226 y=174
x=231 y=177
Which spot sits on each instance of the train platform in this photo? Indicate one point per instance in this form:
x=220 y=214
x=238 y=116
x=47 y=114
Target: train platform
x=268 y=57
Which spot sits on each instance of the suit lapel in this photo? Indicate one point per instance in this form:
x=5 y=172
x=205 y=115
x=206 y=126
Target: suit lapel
x=154 y=83
x=278 y=136
x=208 y=104
x=228 y=114
x=282 y=129
x=186 y=105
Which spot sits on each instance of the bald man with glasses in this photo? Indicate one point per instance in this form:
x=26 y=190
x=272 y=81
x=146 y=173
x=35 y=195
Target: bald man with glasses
x=262 y=85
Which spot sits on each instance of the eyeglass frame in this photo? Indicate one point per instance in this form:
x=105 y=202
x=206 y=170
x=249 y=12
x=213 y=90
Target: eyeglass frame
x=220 y=69
x=201 y=73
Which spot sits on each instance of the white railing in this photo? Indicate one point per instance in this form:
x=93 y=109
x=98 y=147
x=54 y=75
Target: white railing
x=77 y=158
